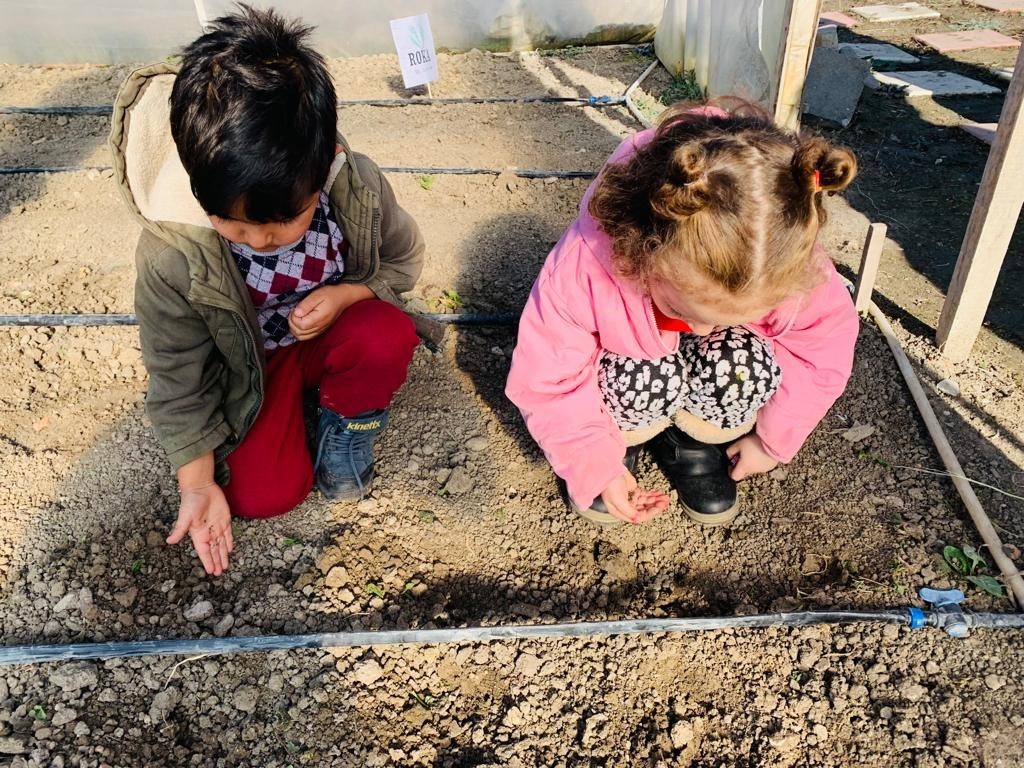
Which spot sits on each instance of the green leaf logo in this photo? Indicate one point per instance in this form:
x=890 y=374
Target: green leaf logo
x=416 y=37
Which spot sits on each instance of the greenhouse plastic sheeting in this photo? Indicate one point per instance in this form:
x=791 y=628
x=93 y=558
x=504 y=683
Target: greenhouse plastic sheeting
x=67 y=31
x=96 y=32
x=733 y=48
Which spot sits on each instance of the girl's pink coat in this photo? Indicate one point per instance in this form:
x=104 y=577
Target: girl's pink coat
x=578 y=308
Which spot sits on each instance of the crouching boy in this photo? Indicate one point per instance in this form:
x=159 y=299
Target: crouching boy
x=270 y=261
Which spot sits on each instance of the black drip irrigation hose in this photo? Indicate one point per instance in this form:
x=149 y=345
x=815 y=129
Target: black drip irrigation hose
x=914 y=618
x=87 y=320
x=28 y=169
x=583 y=101
x=523 y=173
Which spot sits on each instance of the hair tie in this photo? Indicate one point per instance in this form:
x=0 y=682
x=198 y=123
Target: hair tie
x=817 y=181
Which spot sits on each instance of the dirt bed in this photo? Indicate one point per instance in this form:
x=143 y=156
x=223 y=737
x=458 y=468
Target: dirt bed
x=466 y=527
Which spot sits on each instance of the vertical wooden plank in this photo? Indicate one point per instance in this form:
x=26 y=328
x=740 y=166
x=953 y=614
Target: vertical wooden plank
x=796 y=58
x=996 y=210
x=868 y=271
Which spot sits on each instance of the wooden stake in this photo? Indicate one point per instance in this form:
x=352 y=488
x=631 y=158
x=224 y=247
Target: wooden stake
x=796 y=58
x=868 y=270
x=1012 y=577
x=995 y=213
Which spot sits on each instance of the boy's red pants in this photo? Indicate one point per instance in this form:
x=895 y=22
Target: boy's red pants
x=358 y=364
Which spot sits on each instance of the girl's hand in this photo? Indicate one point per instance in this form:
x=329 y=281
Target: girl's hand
x=626 y=501
x=749 y=457
x=321 y=307
x=204 y=515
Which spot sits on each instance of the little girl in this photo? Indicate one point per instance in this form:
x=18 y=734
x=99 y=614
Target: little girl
x=688 y=308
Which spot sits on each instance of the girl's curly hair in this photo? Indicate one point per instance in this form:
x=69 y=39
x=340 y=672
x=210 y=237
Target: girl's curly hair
x=730 y=196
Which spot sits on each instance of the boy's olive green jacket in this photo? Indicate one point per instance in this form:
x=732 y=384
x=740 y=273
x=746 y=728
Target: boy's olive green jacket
x=197 y=325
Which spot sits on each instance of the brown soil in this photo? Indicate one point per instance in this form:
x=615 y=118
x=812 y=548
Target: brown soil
x=88 y=497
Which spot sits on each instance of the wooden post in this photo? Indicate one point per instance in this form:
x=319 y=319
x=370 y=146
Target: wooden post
x=796 y=58
x=868 y=271
x=996 y=210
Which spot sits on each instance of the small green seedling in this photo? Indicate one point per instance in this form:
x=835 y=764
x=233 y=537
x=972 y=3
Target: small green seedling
x=39 y=712
x=647 y=106
x=450 y=301
x=409 y=586
x=965 y=563
x=571 y=52
x=641 y=53
x=376 y=590
x=426 y=181
x=426 y=516
x=976 y=559
x=874 y=458
x=957 y=560
x=137 y=565
x=898 y=579
x=426 y=699
x=987 y=584
x=289 y=541
x=683 y=87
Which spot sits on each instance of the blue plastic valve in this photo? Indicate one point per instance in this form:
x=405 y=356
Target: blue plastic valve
x=946 y=610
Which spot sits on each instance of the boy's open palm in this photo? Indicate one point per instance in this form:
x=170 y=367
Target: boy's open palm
x=626 y=501
x=204 y=515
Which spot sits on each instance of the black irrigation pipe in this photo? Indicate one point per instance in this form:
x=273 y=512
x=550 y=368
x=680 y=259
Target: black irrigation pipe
x=583 y=101
x=29 y=169
x=914 y=618
x=92 y=320
x=523 y=173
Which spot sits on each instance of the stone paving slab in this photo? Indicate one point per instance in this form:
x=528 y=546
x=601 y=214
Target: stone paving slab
x=967 y=40
x=837 y=18
x=898 y=12
x=982 y=131
x=1002 y=6
x=931 y=84
x=879 y=52
x=834 y=84
x=827 y=36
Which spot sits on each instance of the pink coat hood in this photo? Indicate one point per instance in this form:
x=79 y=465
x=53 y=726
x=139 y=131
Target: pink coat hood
x=578 y=307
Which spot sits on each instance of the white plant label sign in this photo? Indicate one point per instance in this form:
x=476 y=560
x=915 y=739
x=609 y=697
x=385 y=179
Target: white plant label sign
x=415 y=45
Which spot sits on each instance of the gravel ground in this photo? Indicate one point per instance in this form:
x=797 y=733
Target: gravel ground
x=465 y=526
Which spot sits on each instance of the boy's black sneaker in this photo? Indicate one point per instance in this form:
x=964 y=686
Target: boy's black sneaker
x=699 y=472
x=344 y=453
x=598 y=513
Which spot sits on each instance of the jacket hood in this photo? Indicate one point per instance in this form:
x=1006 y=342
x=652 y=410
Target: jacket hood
x=147 y=168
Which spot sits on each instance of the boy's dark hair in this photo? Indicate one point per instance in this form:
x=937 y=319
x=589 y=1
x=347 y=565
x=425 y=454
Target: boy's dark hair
x=253 y=114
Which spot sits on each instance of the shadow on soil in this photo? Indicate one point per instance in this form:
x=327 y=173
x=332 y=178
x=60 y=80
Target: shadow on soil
x=921 y=178
x=21 y=189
